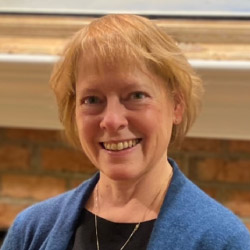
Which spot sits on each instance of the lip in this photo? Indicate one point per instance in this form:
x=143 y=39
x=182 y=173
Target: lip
x=119 y=140
x=121 y=153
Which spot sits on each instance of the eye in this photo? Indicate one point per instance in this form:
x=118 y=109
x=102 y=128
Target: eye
x=138 y=95
x=91 y=100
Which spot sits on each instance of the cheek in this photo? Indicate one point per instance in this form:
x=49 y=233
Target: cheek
x=88 y=143
x=149 y=122
x=87 y=129
x=159 y=124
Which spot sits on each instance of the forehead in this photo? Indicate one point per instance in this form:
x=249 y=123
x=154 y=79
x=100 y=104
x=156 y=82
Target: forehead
x=119 y=79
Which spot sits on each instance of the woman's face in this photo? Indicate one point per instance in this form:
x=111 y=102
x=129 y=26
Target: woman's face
x=124 y=121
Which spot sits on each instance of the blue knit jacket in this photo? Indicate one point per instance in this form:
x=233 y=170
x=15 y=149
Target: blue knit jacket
x=188 y=220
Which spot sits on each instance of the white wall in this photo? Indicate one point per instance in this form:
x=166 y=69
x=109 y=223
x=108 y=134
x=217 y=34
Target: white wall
x=157 y=7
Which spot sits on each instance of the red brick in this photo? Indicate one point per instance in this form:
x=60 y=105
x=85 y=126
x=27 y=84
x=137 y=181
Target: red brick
x=76 y=182
x=181 y=162
x=212 y=192
x=203 y=145
x=223 y=170
x=239 y=202
x=248 y=225
x=34 y=187
x=66 y=160
x=8 y=212
x=239 y=146
x=34 y=135
x=14 y=157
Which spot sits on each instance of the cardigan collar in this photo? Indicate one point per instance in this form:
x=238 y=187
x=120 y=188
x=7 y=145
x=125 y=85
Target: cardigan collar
x=69 y=214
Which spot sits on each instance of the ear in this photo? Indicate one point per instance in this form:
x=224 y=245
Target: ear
x=179 y=107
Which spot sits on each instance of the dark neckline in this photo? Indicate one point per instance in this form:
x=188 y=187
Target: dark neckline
x=111 y=234
x=118 y=223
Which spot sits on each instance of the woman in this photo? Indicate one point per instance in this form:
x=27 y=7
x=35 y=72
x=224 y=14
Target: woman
x=125 y=94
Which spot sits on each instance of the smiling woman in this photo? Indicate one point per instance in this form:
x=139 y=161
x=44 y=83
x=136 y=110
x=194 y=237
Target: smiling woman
x=125 y=94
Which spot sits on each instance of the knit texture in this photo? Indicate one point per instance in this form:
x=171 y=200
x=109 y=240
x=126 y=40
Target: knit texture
x=188 y=220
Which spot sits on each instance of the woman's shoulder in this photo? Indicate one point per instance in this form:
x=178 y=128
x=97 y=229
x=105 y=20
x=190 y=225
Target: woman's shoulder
x=42 y=220
x=56 y=206
x=213 y=222
x=192 y=213
x=187 y=198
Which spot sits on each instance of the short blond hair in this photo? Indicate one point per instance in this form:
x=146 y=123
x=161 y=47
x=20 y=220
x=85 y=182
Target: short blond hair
x=124 y=41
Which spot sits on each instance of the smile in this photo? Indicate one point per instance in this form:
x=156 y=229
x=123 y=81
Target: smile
x=118 y=146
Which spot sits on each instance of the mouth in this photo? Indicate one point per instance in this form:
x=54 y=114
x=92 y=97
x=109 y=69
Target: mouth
x=119 y=146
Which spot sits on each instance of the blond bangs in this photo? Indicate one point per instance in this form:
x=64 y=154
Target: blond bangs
x=107 y=46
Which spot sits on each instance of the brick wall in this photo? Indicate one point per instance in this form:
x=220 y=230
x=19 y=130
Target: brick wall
x=37 y=164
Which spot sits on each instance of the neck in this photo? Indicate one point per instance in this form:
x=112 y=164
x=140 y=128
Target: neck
x=133 y=200
x=121 y=193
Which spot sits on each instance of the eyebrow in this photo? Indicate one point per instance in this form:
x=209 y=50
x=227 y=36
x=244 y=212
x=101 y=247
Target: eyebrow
x=94 y=85
x=88 y=91
x=136 y=86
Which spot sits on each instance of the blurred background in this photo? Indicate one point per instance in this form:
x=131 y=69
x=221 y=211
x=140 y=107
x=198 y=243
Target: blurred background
x=35 y=160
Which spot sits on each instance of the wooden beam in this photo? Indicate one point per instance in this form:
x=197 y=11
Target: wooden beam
x=218 y=40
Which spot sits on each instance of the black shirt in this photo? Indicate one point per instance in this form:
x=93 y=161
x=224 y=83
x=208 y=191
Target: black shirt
x=112 y=236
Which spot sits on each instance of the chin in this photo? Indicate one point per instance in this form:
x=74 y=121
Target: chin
x=121 y=175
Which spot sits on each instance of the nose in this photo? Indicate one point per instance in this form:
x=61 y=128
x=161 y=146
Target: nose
x=114 y=116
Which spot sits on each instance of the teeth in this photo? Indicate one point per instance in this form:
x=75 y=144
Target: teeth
x=113 y=146
x=120 y=145
x=125 y=144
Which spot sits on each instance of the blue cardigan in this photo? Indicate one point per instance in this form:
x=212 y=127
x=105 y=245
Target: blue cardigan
x=188 y=219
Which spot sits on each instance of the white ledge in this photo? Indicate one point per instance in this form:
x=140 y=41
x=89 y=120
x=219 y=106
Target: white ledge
x=23 y=58
x=220 y=65
x=26 y=100
x=197 y=64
